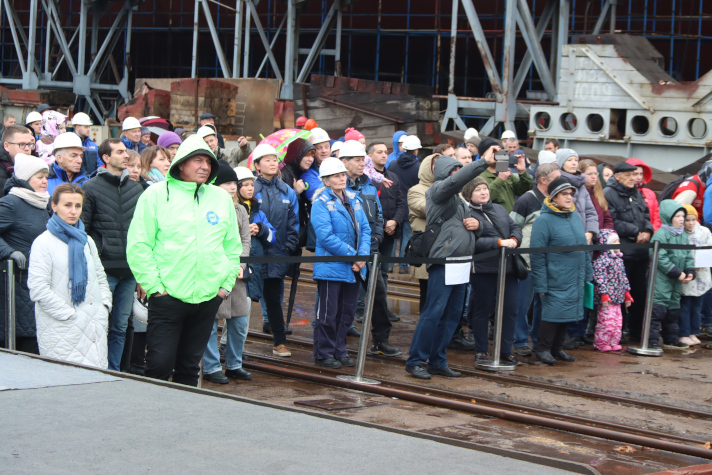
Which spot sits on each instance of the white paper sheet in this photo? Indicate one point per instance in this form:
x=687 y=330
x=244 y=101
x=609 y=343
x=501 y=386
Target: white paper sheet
x=457 y=273
x=703 y=258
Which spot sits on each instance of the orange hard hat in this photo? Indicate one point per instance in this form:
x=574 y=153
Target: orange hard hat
x=310 y=124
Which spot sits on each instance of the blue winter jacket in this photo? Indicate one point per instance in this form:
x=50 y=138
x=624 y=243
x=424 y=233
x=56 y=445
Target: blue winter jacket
x=337 y=236
x=396 y=152
x=91 y=161
x=58 y=176
x=138 y=147
x=280 y=206
x=264 y=239
x=364 y=189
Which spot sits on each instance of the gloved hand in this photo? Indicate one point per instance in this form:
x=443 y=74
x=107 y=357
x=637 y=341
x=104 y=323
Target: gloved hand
x=19 y=259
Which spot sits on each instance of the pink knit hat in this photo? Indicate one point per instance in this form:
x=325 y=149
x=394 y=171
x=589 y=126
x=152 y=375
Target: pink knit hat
x=353 y=134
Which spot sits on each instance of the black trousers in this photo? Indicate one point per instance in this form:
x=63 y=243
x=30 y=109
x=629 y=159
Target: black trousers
x=551 y=336
x=666 y=321
x=637 y=273
x=272 y=292
x=483 y=298
x=380 y=324
x=27 y=344
x=177 y=335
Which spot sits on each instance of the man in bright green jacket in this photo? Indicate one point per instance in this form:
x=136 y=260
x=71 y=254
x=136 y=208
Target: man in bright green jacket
x=184 y=249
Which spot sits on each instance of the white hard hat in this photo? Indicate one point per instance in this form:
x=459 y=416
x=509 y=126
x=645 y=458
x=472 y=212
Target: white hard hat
x=243 y=173
x=337 y=146
x=318 y=136
x=412 y=142
x=130 y=123
x=508 y=134
x=331 y=166
x=68 y=140
x=352 y=148
x=546 y=156
x=81 y=119
x=262 y=150
x=33 y=116
x=206 y=131
x=471 y=132
x=402 y=138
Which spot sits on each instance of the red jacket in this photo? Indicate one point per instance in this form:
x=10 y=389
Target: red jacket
x=649 y=195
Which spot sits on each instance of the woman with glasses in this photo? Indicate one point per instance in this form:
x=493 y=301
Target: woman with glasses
x=559 y=276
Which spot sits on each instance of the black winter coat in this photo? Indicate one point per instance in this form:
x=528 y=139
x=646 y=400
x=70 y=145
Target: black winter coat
x=392 y=204
x=109 y=206
x=406 y=167
x=6 y=168
x=20 y=224
x=495 y=224
x=630 y=215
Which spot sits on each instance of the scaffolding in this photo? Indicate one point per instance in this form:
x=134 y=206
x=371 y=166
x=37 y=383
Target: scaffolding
x=87 y=46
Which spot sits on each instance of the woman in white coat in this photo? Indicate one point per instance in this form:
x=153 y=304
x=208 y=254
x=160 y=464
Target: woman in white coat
x=69 y=287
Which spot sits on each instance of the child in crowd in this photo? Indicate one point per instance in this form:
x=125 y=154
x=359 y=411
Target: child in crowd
x=612 y=290
x=675 y=268
x=692 y=292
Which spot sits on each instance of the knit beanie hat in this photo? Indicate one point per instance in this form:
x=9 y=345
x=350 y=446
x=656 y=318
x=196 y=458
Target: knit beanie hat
x=27 y=165
x=559 y=185
x=353 y=134
x=168 y=138
x=485 y=144
x=145 y=131
x=546 y=156
x=563 y=154
x=470 y=187
x=225 y=173
x=688 y=208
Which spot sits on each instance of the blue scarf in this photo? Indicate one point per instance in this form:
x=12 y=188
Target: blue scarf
x=672 y=229
x=155 y=175
x=76 y=239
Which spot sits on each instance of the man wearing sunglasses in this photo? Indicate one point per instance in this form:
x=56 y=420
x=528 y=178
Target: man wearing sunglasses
x=16 y=139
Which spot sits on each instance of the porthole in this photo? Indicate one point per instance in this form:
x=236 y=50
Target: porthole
x=668 y=126
x=568 y=121
x=542 y=120
x=697 y=128
x=640 y=125
x=594 y=122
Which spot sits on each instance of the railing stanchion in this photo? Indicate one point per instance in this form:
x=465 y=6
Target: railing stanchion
x=10 y=305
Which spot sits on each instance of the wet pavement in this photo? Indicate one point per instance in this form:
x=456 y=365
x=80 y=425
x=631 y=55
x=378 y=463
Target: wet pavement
x=680 y=379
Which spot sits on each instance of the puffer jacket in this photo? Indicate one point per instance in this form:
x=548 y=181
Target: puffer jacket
x=583 y=202
x=526 y=210
x=630 y=215
x=338 y=235
x=57 y=176
x=407 y=167
x=416 y=207
x=671 y=262
x=190 y=254
x=561 y=276
x=6 y=169
x=236 y=157
x=700 y=236
x=611 y=282
x=237 y=304
x=364 y=189
x=20 y=224
x=266 y=237
x=91 y=161
x=68 y=332
x=109 y=205
x=280 y=206
x=495 y=225
x=649 y=195
x=454 y=239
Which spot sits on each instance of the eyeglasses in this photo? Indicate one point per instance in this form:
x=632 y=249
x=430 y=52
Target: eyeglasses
x=31 y=146
x=567 y=193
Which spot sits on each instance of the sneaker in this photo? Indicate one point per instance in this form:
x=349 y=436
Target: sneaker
x=675 y=345
x=383 y=348
x=695 y=340
x=281 y=350
x=605 y=348
x=616 y=348
x=523 y=351
x=686 y=340
x=217 y=377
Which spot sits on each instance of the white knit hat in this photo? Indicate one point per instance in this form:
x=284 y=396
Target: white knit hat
x=27 y=165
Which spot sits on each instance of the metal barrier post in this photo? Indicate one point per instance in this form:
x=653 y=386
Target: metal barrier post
x=10 y=305
x=494 y=364
x=644 y=350
x=366 y=328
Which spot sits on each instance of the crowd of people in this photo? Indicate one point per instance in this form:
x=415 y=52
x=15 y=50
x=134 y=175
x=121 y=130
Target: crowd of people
x=129 y=252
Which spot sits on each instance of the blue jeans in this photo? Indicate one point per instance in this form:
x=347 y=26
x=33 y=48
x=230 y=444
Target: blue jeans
x=707 y=309
x=404 y=241
x=524 y=301
x=438 y=320
x=123 y=294
x=263 y=305
x=236 y=328
x=690 y=313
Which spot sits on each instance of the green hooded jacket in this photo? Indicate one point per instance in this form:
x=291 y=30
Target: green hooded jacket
x=184 y=238
x=671 y=262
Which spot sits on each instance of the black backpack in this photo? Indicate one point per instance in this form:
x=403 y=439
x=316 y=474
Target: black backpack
x=670 y=188
x=420 y=242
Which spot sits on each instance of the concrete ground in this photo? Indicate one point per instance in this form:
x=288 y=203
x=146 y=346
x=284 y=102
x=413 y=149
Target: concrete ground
x=62 y=419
